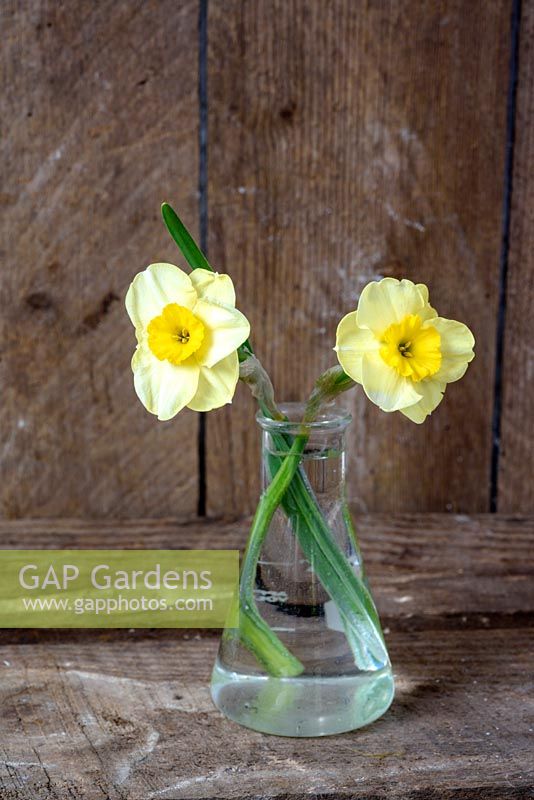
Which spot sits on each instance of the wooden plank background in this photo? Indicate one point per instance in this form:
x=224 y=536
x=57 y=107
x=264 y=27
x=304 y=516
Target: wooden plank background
x=345 y=141
x=350 y=145
x=517 y=432
x=100 y=122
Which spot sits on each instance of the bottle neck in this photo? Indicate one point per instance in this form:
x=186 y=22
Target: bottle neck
x=323 y=456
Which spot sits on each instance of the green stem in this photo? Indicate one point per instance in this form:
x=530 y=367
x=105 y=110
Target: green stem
x=254 y=631
x=346 y=589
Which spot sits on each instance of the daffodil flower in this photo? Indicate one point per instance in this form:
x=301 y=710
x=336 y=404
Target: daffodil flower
x=399 y=350
x=188 y=331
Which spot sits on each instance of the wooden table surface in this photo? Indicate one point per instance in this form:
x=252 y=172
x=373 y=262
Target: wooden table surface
x=127 y=714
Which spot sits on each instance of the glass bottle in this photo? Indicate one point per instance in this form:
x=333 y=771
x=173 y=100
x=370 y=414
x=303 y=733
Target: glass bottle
x=308 y=658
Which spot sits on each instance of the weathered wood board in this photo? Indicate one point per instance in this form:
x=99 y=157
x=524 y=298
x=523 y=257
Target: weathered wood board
x=99 y=119
x=127 y=715
x=517 y=430
x=346 y=141
x=401 y=553
x=349 y=141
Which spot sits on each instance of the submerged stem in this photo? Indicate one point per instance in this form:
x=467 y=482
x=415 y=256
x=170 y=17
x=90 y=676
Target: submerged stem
x=260 y=638
x=290 y=489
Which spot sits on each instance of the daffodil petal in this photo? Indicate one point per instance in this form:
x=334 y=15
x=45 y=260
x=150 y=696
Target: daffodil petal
x=384 y=386
x=154 y=288
x=214 y=287
x=216 y=385
x=457 y=344
x=388 y=301
x=163 y=388
x=423 y=291
x=352 y=343
x=432 y=395
x=225 y=329
x=427 y=312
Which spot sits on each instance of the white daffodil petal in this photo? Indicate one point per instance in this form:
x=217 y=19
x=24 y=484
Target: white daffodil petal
x=432 y=395
x=384 y=386
x=225 y=329
x=154 y=288
x=352 y=343
x=216 y=385
x=456 y=346
x=423 y=290
x=163 y=388
x=388 y=301
x=214 y=287
x=427 y=312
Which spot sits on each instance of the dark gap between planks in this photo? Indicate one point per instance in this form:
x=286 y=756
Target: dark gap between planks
x=202 y=210
x=511 y=102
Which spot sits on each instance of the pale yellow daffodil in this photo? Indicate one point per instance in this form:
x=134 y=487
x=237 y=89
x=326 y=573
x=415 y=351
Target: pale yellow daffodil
x=188 y=331
x=399 y=350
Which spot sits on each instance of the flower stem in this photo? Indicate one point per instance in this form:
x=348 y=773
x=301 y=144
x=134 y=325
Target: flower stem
x=254 y=631
x=335 y=573
x=291 y=490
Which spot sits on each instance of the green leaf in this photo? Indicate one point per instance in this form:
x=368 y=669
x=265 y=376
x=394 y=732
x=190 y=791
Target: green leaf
x=189 y=248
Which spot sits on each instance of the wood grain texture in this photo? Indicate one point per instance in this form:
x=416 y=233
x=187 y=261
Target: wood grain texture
x=127 y=715
x=99 y=115
x=349 y=141
x=517 y=424
x=133 y=719
x=406 y=556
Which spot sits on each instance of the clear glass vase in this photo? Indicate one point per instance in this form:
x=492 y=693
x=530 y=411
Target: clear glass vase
x=309 y=657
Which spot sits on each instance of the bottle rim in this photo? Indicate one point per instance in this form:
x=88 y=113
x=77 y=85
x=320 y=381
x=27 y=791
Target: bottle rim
x=331 y=418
